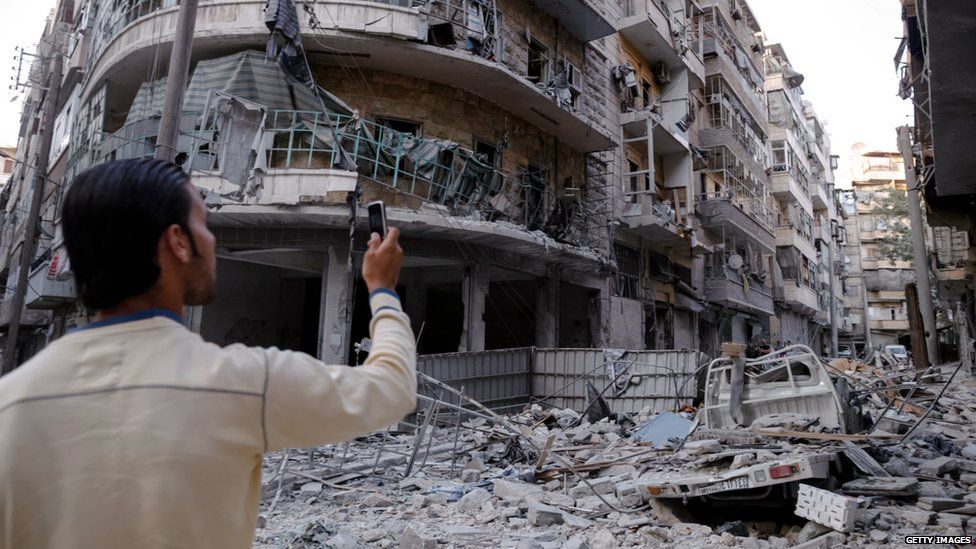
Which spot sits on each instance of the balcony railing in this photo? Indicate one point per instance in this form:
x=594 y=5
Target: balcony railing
x=738 y=291
x=436 y=171
x=757 y=208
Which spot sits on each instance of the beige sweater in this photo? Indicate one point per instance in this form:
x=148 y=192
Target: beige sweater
x=141 y=434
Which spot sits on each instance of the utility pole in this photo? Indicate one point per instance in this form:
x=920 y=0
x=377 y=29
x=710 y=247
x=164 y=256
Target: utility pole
x=866 y=321
x=48 y=115
x=833 y=299
x=176 y=80
x=920 y=255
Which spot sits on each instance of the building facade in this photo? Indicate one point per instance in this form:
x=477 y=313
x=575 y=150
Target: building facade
x=937 y=40
x=581 y=174
x=878 y=178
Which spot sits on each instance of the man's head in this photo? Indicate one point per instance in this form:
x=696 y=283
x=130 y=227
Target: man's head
x=137 y=226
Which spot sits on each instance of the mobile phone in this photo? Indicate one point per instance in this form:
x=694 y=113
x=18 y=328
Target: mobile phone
x=377 y=217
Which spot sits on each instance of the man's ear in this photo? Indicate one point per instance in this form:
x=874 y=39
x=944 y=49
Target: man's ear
x=175 y=242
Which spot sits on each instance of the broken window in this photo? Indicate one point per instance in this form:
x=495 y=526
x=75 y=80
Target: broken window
x=538 y=66
x=627 y=277
x=402 y=126
x=487 y=152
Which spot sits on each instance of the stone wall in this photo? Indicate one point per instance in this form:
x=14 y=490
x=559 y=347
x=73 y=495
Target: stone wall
x=459 y=116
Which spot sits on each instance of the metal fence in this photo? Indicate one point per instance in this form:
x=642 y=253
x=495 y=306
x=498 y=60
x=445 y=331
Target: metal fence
x=511 y=378
x=498 y=379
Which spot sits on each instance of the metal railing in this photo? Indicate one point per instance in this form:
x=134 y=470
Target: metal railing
x=110 y=20
x=755 y=207
x=432 y=170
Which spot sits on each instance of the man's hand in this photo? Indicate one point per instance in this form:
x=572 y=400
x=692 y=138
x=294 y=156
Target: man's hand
x=381 y=266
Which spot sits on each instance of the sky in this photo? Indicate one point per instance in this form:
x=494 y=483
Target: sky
x=844 y=48
x=20 y=26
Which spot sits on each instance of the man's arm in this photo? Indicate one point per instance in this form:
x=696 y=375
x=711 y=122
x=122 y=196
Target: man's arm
x=309 y=403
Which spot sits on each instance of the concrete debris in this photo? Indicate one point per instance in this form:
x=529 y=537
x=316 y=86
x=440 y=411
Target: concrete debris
x=550 y=478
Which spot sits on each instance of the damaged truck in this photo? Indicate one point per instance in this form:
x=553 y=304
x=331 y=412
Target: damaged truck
x=748 y=402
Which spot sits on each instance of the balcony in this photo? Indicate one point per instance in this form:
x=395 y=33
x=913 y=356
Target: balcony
x=742 y=217
x=660 y=36
x=750 y=297
x=742 y=149
x=821 y=231
x=786 y=235
x=889 y=325
x=803 y=299
x=786 y=187
x=379 y=36
x=751 y=96
x=48 y=286
x=655 y=221
x=668 y=137
x=817 y=191
x=581 y=17
x=296 y=166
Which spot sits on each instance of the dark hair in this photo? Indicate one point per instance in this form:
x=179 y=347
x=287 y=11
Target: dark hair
x=113 y=216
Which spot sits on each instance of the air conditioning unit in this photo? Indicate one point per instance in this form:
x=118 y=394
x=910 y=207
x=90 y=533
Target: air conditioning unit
x=662 y=73
x=735 y=10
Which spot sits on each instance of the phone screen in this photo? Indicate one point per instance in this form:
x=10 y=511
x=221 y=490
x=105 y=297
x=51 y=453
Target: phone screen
x=377 y=220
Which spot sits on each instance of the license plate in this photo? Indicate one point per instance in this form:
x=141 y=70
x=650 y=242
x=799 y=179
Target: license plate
x=737 y=483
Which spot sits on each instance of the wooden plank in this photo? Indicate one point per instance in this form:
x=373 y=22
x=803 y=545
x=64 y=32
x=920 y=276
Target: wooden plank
x=838 y=437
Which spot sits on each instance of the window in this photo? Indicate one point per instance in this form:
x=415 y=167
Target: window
x=487 y=152
x=867 y=223
x=780 y=158
x=538 y=67
x=627 y=278
x=646 y=93
x=8 y=165
x=402 y=126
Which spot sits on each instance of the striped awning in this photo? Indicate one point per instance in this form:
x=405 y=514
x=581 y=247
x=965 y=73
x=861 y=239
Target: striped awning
x=247 y=75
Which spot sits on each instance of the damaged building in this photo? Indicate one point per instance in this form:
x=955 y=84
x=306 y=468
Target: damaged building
x=599 y=176
x=801 y=179
x=602 y=204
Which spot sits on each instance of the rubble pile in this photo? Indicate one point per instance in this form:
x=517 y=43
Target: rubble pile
x=463 y=476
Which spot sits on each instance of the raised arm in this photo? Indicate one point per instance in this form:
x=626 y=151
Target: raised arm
x=309 y=402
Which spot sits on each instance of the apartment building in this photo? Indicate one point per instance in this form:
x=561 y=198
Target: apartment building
x=938 y=38
x=801 y=183
x=659 y=73
x=736 y=228
x=877 y=176
x=852 y=294
x=591 y=174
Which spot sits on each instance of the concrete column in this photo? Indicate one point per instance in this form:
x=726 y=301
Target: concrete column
x=547 y=311
x=474 y=291
x=415 y=305
x=334 y=330
x=919 y=252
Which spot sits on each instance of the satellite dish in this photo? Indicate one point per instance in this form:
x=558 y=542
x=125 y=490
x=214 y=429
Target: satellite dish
x=735 y=261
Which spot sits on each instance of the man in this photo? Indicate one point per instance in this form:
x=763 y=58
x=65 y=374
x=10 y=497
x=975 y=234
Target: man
x=133 y=431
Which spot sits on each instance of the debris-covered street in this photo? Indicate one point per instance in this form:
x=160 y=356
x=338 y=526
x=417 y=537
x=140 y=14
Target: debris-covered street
x=551 y=477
